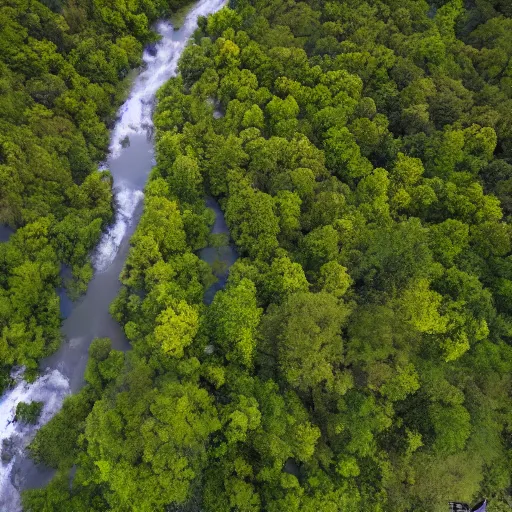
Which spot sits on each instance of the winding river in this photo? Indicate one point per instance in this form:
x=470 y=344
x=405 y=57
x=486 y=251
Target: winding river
x=130 y=159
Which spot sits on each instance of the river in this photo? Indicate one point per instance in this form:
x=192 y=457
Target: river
x=63 y=372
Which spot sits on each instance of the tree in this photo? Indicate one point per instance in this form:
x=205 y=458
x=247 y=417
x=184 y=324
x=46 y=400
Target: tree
x=222 y=20
x=407 y=171
x=451 y=426
x=307 y=329
x=254 y=117
x=334 y=279
x=288 y=210
x=421 y=308
x=283 y=279
x=399 y=254
x=282 y=115
x=448 y=240
x=254 y=225
x=162 y=221
x=343 y=155
x=28 y=412
x=185 y=179
x=176 y=327
x=193 y=64
x=234 y=318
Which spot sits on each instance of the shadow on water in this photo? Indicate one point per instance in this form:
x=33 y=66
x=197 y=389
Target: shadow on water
x=65 y=301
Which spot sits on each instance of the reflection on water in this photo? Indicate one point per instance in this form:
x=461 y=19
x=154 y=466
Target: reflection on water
x=220 y=258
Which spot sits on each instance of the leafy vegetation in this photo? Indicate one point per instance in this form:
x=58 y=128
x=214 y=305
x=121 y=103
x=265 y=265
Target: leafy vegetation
x=359 y=357
x=28 y=413
x=61 y=72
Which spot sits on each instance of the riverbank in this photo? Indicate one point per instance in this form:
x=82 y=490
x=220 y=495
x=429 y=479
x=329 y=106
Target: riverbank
x=129 y=166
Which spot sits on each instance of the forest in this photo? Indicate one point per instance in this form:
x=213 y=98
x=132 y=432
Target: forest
x=61 y=80
x=359 y=358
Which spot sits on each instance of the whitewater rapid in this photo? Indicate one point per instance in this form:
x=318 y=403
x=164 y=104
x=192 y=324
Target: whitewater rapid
x=51 y=389
x=63 y=371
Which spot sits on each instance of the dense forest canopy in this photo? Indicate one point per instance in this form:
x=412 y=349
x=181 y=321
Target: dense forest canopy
x=359 y=357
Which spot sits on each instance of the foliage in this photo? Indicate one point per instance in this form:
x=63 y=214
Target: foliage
x=359 y=357
x=62 y=66
x=28 y=412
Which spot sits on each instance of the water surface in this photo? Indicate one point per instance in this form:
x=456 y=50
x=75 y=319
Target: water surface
x=5 y=232
x=220 y=258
